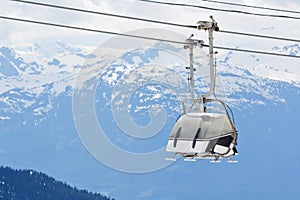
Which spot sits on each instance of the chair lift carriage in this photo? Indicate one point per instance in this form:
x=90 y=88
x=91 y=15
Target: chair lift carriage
x=203 y=130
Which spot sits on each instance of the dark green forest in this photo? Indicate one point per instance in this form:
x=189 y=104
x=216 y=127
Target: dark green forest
x=32 y=185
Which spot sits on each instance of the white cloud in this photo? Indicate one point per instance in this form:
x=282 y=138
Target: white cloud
x=16 y=33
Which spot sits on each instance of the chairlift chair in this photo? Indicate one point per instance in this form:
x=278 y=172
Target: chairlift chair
x=198 y=134
x=202 y=131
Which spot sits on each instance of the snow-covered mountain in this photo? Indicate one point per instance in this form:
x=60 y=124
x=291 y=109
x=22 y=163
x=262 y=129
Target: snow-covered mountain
x=37 y=126
x=32 y=78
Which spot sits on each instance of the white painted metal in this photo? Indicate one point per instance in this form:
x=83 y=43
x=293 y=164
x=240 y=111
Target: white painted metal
x=210 y=27
x=186 y=139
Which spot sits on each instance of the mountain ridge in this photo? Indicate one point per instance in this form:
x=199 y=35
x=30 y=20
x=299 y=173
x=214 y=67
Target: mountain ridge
x=29 y=184
x=50 y=77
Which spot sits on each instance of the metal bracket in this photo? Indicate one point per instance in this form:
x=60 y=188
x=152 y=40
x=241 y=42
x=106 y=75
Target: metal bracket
x=206 y=25
x=193 y=43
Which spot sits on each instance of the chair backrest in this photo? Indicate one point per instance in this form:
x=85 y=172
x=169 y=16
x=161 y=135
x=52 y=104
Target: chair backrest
x=211 y=125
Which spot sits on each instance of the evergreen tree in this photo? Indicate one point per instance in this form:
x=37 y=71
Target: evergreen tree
x=32 y=185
